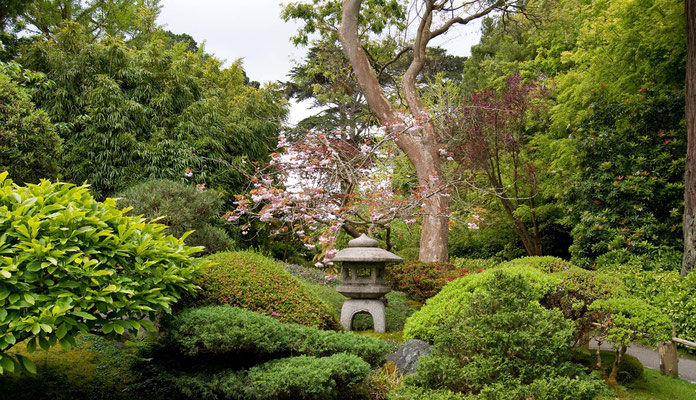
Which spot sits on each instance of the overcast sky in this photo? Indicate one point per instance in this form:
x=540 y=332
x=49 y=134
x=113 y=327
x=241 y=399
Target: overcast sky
x=252 y=30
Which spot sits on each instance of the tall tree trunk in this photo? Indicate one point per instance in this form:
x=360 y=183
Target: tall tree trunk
x=689 y=222
x=422 y=150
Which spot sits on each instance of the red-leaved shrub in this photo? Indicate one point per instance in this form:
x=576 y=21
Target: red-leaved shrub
x=420 y=280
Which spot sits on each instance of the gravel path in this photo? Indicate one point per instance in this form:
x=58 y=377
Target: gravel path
x=650 y=359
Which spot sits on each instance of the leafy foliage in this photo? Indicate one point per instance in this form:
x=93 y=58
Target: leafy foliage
x=95 y=369
x=447 y=305
x=301 y=377
x=151 y=109
x=182 y=208
x=559 y=284
x=249 y=280
x=503 y=344
x=29 y=146
x=419 y=280
x=623 y=320
x=232 y=331
x=72 y=265
x=668 y=291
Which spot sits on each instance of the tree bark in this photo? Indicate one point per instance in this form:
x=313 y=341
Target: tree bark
x=422 y=150
x=689 y=222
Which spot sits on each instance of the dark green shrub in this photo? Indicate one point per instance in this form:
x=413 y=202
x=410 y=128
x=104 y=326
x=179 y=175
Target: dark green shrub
x=29 y=146
x=182 y=208
x=503 y=344
x=249 y=280
x=72 y=265
x=406 y=392
x=306 y=377
x=553 y=388
x=228 y=331
x=630 y=368
x=95 y=369
x=419 y=280
x=301 y=377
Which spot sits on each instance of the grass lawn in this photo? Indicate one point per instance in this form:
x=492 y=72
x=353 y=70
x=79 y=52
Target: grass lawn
x=655 y=386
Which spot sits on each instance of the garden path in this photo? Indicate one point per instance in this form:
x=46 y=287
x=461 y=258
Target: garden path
x=649 y=358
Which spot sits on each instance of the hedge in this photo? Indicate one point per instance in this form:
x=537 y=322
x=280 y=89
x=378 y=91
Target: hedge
x=250 y=280
x=225 y=330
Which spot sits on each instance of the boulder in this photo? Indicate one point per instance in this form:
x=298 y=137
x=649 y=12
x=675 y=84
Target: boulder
x=406 y=357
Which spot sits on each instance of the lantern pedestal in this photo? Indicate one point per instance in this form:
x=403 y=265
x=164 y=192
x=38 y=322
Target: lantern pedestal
x=371 y=306
x=362 y=273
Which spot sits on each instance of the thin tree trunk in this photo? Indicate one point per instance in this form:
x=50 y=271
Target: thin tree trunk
x=689 y=222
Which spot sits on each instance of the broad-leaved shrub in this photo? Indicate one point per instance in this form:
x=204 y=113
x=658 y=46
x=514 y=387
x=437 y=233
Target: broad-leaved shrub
x=70 y=264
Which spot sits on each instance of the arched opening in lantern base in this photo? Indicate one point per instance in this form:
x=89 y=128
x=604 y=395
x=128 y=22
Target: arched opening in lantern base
x=362 y=321
x=372 y=307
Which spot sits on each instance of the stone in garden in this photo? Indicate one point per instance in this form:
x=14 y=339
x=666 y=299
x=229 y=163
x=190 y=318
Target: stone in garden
x=362 y=275
x=406 y=357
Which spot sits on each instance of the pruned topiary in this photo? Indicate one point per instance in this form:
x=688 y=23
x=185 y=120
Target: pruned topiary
x=250 y=280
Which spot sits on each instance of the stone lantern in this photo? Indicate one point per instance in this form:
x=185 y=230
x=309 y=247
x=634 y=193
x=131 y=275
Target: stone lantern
x=362 y=275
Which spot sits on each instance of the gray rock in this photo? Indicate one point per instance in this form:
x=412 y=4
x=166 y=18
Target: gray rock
x=406 y=357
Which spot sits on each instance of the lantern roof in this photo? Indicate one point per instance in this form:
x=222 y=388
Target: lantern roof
x=365 y=249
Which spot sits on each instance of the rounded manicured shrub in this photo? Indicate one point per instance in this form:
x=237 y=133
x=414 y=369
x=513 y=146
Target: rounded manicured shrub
x=543 y=263
x=502 y=344
x=182 y=208
x=249 y=280
x=446 y=305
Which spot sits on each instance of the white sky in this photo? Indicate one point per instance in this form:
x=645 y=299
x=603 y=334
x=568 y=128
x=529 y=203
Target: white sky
x=253 y=30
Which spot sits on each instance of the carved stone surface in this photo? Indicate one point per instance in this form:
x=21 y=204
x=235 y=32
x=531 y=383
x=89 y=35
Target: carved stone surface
x=373 y=307
x=362 y=280
x=365 y=249
x=406 y=357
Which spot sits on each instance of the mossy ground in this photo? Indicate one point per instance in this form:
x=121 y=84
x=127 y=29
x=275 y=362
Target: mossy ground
x=655 y=386
x=95 y=369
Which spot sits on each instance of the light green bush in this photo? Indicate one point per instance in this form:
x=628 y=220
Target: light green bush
x=624 y=320
x=504 y=345
x=446 y=305
x=544 y=263
x=71 y=264
x=670 y=292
